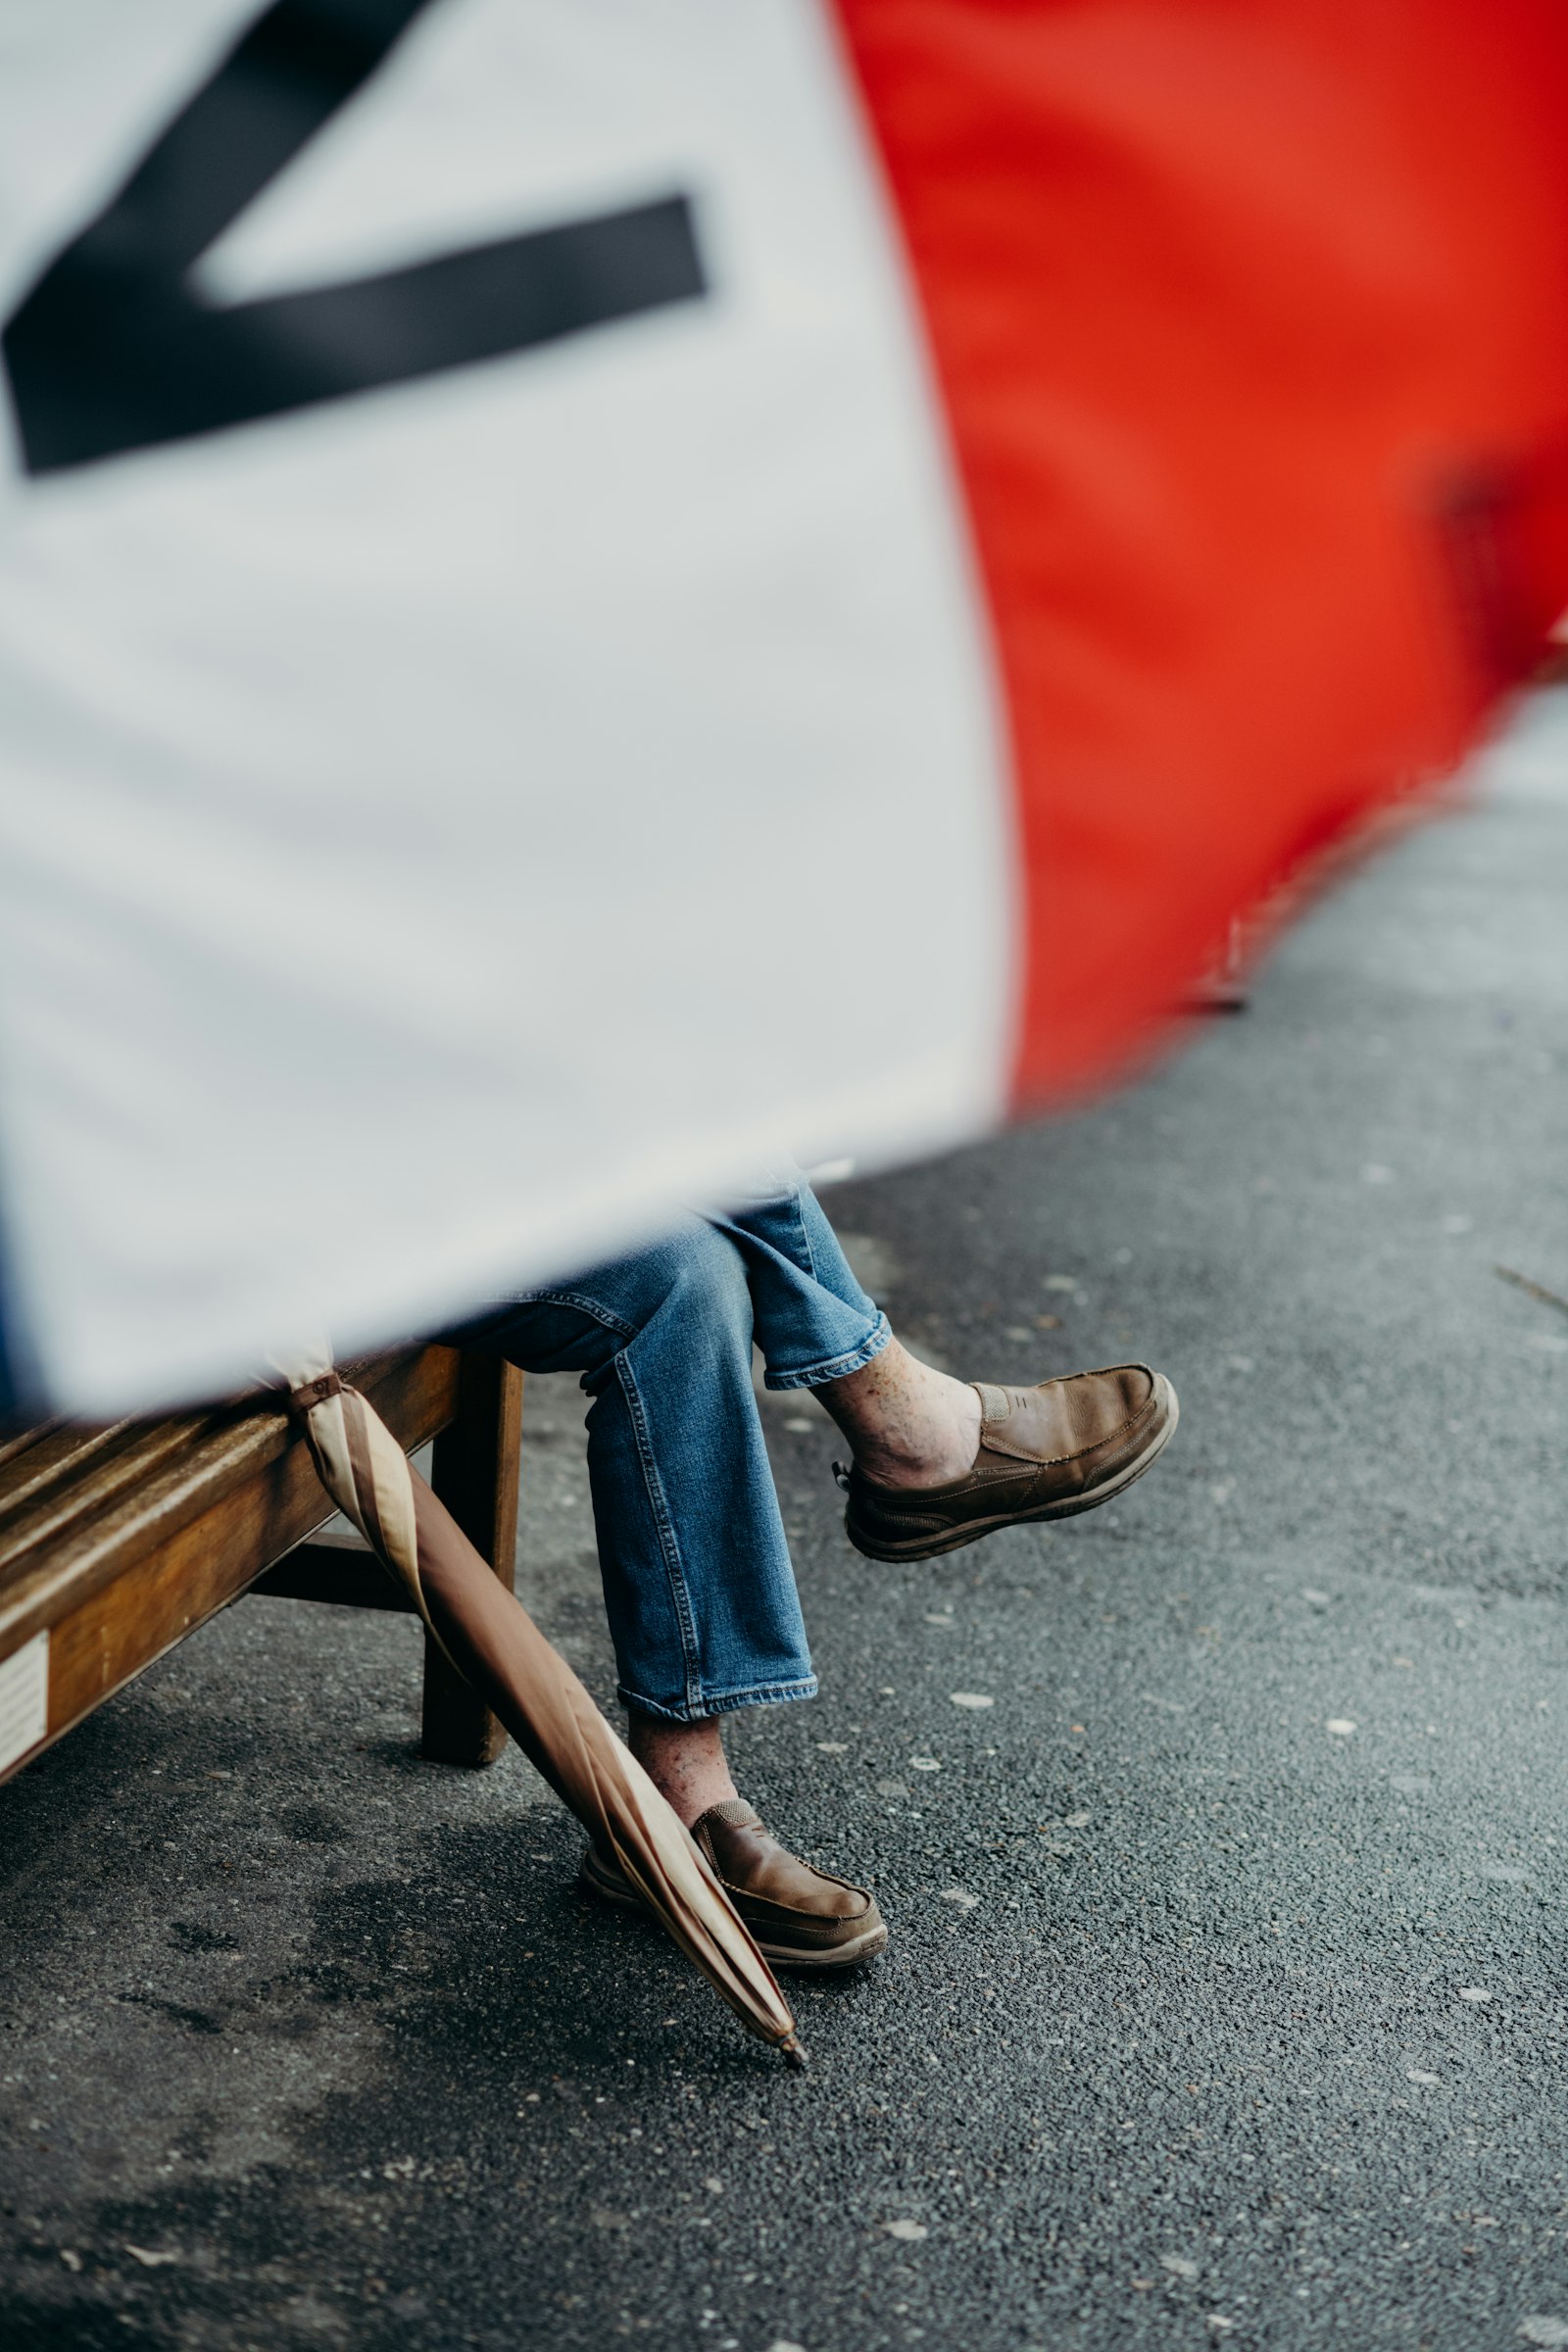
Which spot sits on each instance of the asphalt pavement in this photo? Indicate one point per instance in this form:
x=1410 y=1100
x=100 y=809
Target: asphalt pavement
x=1225 y=1998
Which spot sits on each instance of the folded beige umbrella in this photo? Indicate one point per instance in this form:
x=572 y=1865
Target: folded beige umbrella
x=495 y=1645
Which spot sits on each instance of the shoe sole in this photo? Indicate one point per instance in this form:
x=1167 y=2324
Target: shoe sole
x=926 y=1547
x=854 y=1954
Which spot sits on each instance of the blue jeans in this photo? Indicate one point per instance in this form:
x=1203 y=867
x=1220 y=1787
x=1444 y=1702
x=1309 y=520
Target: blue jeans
x=699 y=1588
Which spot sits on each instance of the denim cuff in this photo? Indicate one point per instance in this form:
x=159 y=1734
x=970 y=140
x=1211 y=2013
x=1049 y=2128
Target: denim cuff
x=836 y=1367
x=718 y=1702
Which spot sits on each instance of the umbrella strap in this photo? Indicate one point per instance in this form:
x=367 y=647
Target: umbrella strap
x=366 y=1474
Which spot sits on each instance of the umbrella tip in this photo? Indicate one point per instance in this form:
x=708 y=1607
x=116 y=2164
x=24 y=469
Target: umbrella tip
x=793 y=2052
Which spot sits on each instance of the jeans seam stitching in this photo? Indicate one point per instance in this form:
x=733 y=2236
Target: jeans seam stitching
x=668 y=1544
x=715 y=1702
x=580 y=1305
x=837 y=1367
x=806 y=1242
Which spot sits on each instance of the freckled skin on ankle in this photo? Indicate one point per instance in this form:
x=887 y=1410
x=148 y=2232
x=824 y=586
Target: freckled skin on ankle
x=908 y=1425
x=685 y=1761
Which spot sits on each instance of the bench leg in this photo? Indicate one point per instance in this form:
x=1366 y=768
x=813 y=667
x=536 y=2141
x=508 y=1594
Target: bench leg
x=474 y=1472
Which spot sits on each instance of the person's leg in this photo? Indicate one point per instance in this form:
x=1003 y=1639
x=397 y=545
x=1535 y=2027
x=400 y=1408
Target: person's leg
x=685 y=1761
x=699 y=1587
x=698 y=1582
x=937 y=1463
x=909 y=1424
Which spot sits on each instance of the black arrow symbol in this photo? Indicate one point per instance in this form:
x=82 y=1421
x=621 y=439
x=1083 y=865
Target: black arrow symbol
x=114 y=349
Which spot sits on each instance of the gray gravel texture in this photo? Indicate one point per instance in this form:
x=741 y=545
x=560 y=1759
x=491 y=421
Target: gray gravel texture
x=1207 y=2016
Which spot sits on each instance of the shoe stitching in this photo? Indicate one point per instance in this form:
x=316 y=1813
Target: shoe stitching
x=802 y=1923
x=946 y=1535
x=829 y=1877
x=1053 y=1461
x=1050 y=1460
x=953 y=1492
x=1019 y=1465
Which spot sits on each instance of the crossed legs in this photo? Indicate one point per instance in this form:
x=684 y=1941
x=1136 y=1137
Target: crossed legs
x=908 y=1425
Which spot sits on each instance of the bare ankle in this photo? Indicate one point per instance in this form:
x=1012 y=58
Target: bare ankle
x=685 y=1761
x=909 y=1424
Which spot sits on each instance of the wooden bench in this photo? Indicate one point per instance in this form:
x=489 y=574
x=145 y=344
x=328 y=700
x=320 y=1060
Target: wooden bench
x=117 y=1542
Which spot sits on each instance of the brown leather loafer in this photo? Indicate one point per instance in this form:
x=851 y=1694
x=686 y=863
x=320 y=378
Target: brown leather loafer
x=1045 y=1454
x=800 y=1917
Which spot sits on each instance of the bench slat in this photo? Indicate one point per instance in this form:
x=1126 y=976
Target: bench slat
x=75 y=1474
x=139 y=1568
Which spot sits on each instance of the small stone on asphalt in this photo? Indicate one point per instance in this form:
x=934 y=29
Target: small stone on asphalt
x=1180 y=2266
